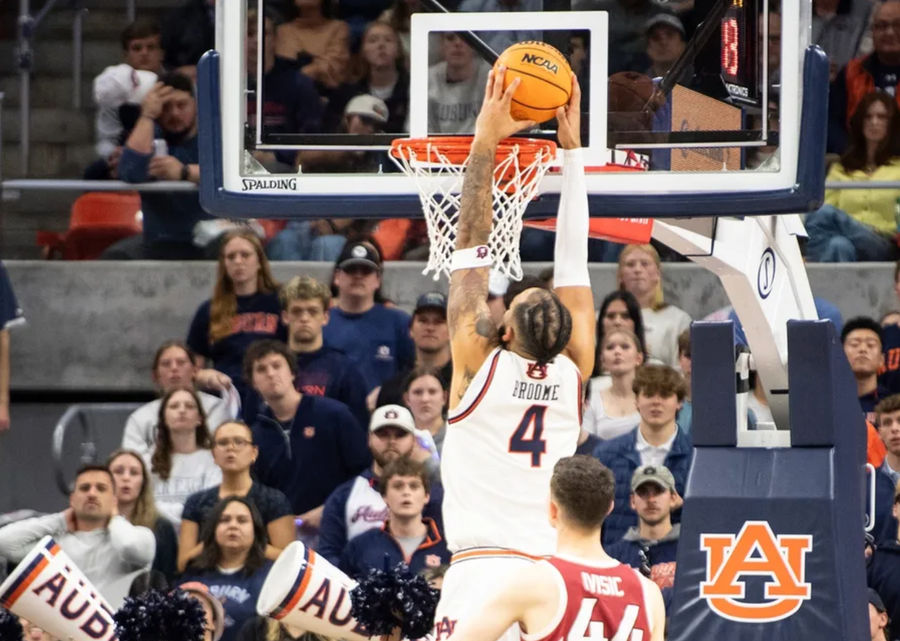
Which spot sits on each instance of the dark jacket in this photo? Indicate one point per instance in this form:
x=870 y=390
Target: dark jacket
x=885 y=528
x=169 y=217
x=620 y=455
x=882 y=574
x=377 y=548
x=356 y=506
x=329 y=372
x=323 y=448
x=657 y=556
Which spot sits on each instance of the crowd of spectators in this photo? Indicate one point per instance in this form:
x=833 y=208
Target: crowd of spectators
x=317 y=410
x=335 y=439
x=334 y=66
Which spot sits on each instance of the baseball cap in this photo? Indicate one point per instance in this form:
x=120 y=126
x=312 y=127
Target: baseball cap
x=431 y=300
x=875 y=600
x=361 y=254
x=392 y=415
x=658 y=474
x=666 y=19
x=369 y=106
x=199 y=590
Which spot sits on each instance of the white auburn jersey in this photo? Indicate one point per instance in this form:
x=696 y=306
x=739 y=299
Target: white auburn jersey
x=512 y=425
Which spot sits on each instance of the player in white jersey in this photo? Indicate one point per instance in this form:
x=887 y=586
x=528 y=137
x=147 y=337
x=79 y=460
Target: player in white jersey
x=581 y=592
x=515 y=397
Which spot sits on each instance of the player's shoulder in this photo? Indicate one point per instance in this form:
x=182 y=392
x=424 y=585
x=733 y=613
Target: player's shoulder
x=544 y=581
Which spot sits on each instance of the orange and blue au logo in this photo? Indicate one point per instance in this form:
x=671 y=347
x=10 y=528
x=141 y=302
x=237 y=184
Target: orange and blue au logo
x=755 y=551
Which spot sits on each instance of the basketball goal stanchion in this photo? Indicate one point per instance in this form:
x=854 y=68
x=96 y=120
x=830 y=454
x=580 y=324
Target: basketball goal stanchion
x=437 y=165
x=618 y=230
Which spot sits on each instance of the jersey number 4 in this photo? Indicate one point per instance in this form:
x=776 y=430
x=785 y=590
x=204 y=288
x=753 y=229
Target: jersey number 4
x=519 y=442
x=584 y=629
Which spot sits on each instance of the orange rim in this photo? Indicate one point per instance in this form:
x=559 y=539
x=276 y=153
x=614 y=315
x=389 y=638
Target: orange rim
x=456 y=148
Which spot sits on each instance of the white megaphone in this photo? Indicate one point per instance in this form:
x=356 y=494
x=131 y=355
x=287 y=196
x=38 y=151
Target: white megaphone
x=50 y=591
x=305 y=590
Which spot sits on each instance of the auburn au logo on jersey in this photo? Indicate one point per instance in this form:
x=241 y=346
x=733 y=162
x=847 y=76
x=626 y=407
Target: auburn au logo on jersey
x=755 y=551
x=537 y=371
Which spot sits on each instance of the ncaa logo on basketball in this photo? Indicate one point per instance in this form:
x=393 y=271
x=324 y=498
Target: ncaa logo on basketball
x=755 y=551
x=540 y=61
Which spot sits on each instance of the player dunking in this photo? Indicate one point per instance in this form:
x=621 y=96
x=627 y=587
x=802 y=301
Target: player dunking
x=581 y=592
x=515 y=405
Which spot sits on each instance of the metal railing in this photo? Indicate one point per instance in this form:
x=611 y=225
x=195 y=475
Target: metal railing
x=54 y=184
x=27 y=26
x=98 y=432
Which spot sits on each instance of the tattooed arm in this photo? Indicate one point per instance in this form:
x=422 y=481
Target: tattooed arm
x=472 y=333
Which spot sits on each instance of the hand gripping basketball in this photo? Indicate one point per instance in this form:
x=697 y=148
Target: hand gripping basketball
x=494 y=121
x=569 y=119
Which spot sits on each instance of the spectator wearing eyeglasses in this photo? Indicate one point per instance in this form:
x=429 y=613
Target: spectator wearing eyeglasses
x=651 y=545
x=878 y=71
x=235 y=452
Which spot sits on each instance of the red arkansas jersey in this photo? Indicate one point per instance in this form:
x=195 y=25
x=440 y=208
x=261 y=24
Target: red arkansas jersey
x=598 y=602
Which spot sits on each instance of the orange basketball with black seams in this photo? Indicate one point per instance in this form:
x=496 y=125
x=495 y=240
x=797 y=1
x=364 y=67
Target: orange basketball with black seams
x=546 y=79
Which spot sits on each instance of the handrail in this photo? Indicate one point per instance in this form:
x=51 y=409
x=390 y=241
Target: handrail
x=89 y=436
x=64 y=184
x=53 y=184
x=26 y=27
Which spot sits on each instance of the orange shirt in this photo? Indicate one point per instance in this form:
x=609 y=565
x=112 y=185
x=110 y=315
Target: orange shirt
x=875 y=449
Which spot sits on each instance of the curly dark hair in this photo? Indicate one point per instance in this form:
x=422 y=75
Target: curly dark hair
x=584 y=489
x=543 y=325
x=161 y=461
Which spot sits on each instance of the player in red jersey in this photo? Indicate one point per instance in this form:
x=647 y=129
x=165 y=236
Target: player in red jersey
x=580 y=593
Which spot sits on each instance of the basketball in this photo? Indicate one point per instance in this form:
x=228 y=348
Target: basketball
x=546 y=79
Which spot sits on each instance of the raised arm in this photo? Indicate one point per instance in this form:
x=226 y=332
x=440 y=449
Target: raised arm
x=17 y=539
x=134 y=544
x=571 y=279
x=472 y=333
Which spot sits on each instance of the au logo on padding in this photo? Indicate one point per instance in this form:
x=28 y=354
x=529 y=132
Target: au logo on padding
x=755 y=551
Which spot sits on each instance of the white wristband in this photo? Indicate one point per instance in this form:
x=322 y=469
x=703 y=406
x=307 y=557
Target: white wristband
x=471 y=258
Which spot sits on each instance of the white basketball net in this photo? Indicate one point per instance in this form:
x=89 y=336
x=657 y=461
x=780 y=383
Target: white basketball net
x=439 y=181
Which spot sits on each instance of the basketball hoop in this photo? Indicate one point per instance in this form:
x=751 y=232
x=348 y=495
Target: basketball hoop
x=437 y=166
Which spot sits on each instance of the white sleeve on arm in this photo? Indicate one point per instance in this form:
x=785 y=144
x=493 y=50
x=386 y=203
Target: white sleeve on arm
x=17 y=539
x=572 y=219
x=135 y=435
x=134 y=544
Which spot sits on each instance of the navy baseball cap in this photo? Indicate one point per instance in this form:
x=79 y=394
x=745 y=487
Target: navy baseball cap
x=876 y=601
x=359 y=254
x=431 y=300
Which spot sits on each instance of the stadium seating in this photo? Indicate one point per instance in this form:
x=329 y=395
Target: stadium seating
x=98 y=219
